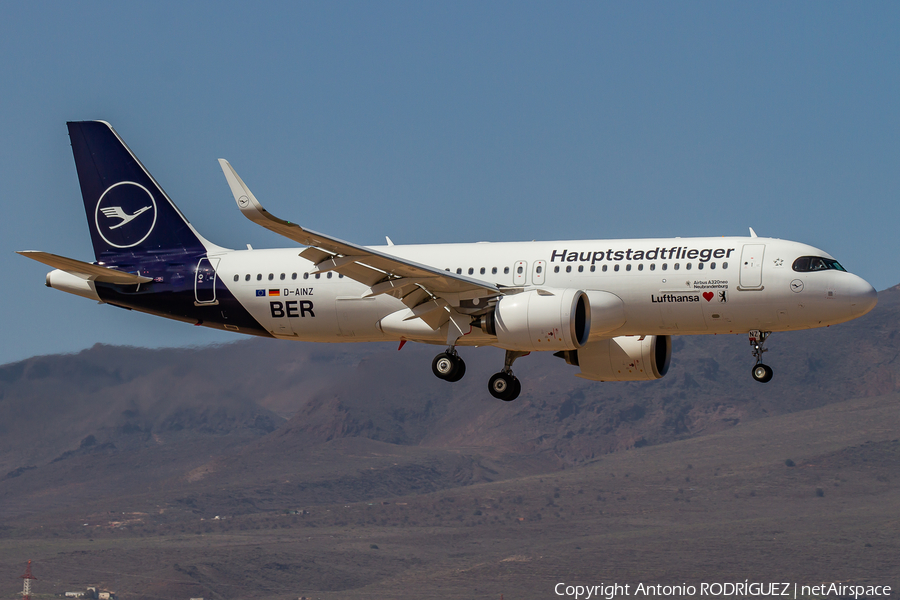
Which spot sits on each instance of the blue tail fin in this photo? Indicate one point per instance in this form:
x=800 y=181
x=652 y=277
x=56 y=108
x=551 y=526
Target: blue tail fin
x=127 y=212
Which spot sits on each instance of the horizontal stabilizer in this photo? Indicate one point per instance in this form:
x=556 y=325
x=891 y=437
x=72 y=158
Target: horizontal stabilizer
x=85 y=270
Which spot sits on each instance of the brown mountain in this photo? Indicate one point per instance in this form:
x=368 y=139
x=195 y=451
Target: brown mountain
x=245 y=431
x=267 y=401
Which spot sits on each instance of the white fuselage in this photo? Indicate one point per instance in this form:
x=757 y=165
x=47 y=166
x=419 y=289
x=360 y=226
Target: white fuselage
x=667 y=286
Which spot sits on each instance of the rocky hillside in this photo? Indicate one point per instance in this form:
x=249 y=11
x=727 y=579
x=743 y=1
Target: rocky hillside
x=259 y=404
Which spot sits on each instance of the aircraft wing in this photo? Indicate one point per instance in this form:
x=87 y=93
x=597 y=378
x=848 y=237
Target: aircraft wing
x=416 y=284
x=88 y=271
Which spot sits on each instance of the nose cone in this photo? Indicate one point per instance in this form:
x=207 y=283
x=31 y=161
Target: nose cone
x=863 y=296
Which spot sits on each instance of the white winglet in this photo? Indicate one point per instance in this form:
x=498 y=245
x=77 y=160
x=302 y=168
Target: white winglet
x=752 y=233
x=245 y=199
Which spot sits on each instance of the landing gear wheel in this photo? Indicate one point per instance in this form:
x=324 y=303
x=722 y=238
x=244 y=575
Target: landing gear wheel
x=504 y=386
x=460 y=370
x=443 y=366
x=517 y=389
x=448 y=367
x=762 y=373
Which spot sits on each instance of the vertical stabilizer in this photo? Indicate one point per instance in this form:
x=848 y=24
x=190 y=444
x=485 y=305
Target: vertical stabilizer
x=127 y=212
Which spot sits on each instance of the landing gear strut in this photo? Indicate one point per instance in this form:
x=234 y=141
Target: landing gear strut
x=448 y=365
x=504 y=385
x=762 y=373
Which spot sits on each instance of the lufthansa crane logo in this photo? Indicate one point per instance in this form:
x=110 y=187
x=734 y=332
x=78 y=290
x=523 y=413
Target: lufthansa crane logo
x=125 y=215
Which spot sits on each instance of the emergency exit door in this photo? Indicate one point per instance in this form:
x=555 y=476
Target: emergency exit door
x=520 y=272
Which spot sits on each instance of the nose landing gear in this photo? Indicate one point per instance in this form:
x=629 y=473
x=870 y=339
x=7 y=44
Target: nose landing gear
x=504 y=385
x=761 y=373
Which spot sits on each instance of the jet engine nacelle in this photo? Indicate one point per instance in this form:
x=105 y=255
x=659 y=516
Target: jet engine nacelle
x=544 y=319
x=625 y=358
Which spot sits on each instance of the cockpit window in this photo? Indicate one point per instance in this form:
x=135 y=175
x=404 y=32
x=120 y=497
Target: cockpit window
x=806 y=264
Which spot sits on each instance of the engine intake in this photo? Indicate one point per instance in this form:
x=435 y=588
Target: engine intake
x=540 y=320
x=624 y=358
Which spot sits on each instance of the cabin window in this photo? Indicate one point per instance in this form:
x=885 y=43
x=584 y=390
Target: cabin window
x=652 y=266
x=306 y=276
x=329 y=274
x=628 y=267
x=458 y=271
x=712 y=265
x=318 y=275
x=237 y=277
x=259 y=276
x=293 y=276
x=665 y=266
x=506 y=270
x=471 y=270
x=616 y=268
x=494 y=271
x=519 y=270
x=641 y=267
x=688 y=266
x=604 y=268
x=482 y=270
x=282 y=277
x=271 y=276
x=539 y=269
x=568 y=268
x=581 y=268
x=677 y=266
x=340 y=275
x=556 y=269
x=699 y=266
x=724 y=265
x=593 y=268
x=247 y=277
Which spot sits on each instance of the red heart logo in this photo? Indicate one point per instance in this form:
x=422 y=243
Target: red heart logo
x=708 y=296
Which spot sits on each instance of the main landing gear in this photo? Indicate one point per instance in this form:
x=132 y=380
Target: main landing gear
x=762 y=373
x=448 y=365
x=503 y=385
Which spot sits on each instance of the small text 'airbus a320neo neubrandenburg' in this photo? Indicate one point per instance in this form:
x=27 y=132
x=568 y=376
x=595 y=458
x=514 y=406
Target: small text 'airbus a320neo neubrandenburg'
x=608 y=307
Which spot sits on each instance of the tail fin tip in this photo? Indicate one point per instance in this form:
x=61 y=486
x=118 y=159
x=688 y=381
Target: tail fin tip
x=126 y=209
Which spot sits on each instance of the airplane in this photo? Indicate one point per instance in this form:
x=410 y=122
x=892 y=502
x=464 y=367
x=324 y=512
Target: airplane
x=607 y=307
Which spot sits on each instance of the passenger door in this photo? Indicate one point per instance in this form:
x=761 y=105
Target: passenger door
x=205 y=282
x=751 y=266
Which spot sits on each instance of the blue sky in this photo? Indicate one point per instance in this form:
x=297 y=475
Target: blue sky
x=460 y=121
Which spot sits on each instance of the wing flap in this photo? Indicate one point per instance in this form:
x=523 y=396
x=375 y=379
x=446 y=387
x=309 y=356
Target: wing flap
x=353 y=270
x=415 y=297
